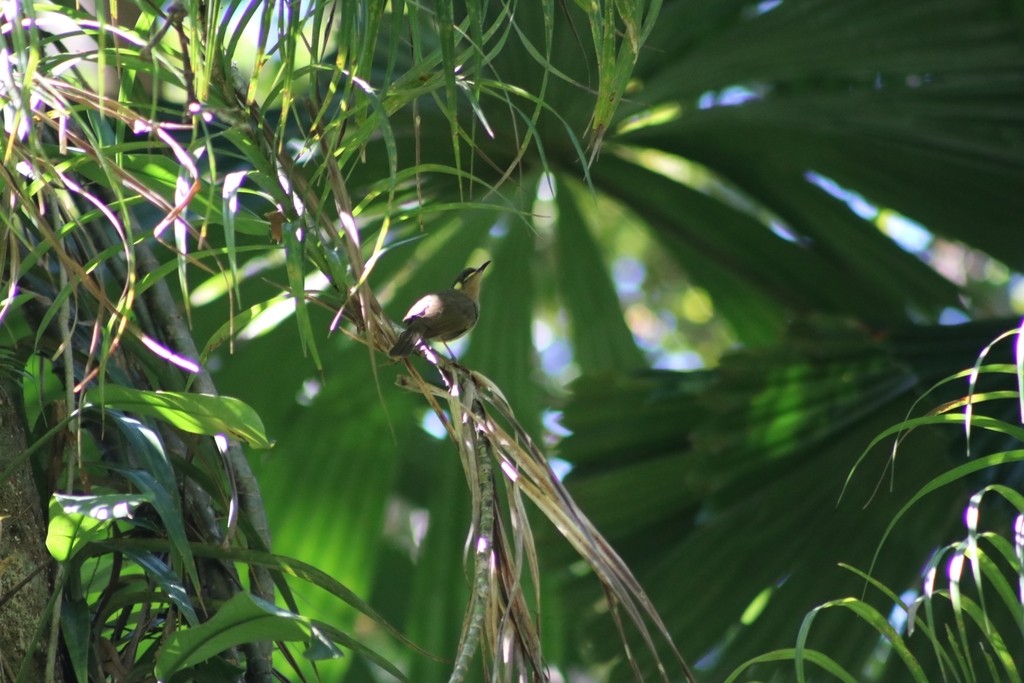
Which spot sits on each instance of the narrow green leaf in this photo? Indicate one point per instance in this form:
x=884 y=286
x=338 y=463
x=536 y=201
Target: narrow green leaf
x=296 y=283
x=167 y=505
x=819 y=658
x=232 y=184
x=237 y=322
x=446 y=38
x=282 y=566
x=875 y=619
x=168 y=580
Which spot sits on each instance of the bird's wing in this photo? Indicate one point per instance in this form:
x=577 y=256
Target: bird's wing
x=428 y=306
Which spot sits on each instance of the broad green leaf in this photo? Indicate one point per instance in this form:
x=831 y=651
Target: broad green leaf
x=76 y=634
x=504 y=333
x=242 y=619
x=194 y=413
x=211 y=671
x=77 y=520
x=601 y=338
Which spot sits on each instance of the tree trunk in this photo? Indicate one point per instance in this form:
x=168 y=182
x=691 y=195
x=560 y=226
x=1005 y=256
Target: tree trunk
x=25 y=565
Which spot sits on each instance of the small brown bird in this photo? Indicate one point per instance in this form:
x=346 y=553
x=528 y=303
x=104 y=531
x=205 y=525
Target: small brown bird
x=443 y=316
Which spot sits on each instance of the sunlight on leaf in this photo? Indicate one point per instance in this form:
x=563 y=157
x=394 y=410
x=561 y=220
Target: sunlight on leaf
x=194 y=413
x=78 y=520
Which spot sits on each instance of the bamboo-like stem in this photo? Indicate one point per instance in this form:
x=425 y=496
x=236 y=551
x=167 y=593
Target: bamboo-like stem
x=483 y=552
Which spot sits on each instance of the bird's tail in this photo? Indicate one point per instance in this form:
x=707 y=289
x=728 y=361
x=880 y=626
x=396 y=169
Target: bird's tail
x=405 y=344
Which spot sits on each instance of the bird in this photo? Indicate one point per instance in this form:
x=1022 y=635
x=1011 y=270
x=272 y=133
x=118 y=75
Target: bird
x=443 y=316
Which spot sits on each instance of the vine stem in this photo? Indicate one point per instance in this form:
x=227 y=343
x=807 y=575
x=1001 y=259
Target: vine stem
x=174 y=330
x=64 y=323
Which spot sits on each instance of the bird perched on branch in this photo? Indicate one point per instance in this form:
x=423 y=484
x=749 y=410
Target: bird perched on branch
x=443 y=316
